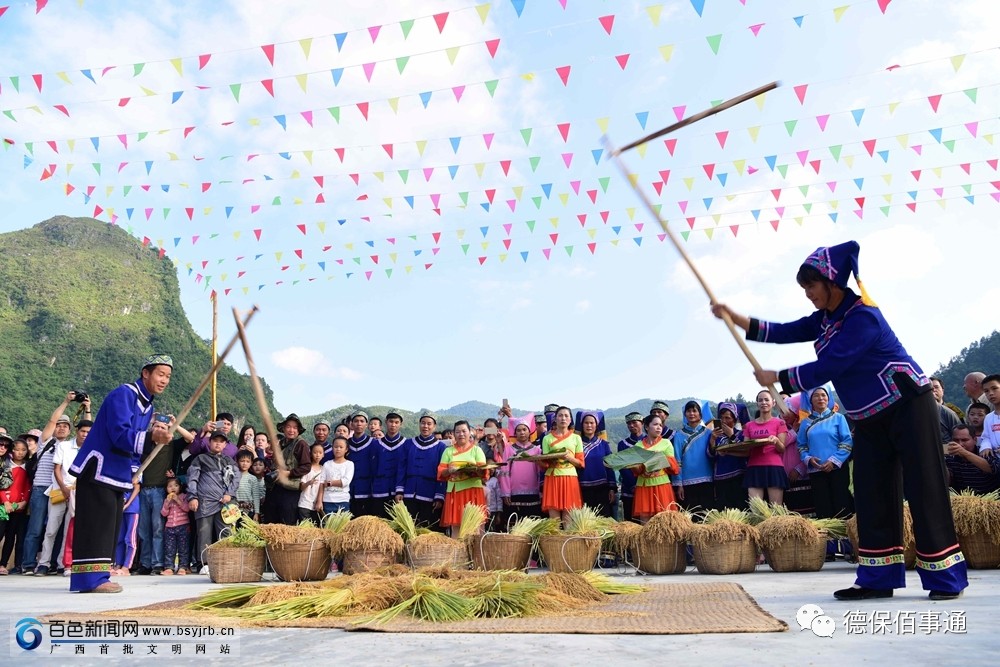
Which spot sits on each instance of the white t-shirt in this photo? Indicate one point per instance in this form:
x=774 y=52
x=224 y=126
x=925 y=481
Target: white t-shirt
x=991 y=433
x=344 y=472
x=307 y=497
x=64 y=455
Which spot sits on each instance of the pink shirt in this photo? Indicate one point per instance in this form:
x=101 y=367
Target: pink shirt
x=176 y=511
x=768 y=454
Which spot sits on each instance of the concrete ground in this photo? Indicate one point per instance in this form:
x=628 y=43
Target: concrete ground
x=919 y=629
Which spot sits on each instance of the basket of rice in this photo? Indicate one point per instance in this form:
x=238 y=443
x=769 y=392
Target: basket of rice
x=661 y=547
x=297 y=553
x=725 y=543
x=977 y=524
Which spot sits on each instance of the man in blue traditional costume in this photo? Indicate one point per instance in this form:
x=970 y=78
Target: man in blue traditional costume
x=103 y=470
x=361 y=451
x=897 y=445
x=417 y=485
x=389 y=454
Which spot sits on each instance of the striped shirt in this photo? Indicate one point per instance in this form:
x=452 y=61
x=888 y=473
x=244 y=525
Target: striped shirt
x=965 y=475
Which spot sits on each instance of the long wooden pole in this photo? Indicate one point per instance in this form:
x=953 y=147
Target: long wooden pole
x=258 y=391
x=616 y=154
x=215 y=355
x=701 y=115
x=199 y=390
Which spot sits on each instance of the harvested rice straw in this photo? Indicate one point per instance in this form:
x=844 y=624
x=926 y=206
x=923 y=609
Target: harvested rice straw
x=534 y=527
x=549 y=601
x=729 y=514
x=609 y=586
x=278 y=535
x=976 y=513
x=231 y=596
x=760 y=510
x=473 y=519
x=585 y=521
x=335 y=602
x=369 y=533
x=401 y=521
x=374 y=593
x=723 y=530
x=572 y=584
x=336 y=521
x=625 y=536
x=506 y=599
x=778 y=529
x=429 y=602
x=836 y=529
x=270 y=594
x=422 y=543
x=666 y=528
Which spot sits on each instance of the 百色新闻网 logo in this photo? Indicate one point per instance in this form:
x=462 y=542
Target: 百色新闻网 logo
x=29 y=633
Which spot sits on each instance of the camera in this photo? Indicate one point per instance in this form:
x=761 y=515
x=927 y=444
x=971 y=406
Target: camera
x=80 y=396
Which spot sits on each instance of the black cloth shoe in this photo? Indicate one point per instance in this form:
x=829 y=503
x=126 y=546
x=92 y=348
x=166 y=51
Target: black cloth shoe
x=157 y=570
x=944 y=595
x=144 y=571
x=858 y=593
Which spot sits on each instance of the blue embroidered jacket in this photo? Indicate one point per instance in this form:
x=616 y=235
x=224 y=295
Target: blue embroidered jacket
x=826 y=437
x=594 y=471
x=855 y=349
x=362 y=454
x=691 y=451
x=418 y=470
x=388 y=460
x=117 y=436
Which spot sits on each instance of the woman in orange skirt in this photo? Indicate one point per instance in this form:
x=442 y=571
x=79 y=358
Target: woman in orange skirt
x=464 y=453
x=561 y=490
x=653 y=493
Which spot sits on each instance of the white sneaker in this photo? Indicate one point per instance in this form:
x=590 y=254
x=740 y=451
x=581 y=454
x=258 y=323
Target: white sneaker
x=204 y=569
x=67 y=572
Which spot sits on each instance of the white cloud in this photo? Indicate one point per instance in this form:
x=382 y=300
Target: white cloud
x=583 y=306
x=314 y=363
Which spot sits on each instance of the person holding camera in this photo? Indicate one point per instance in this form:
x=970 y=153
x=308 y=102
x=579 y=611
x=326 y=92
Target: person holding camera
x=103 y=469
x=41 y=468
x=223 y=424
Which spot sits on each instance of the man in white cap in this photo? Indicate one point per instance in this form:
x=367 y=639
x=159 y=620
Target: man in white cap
x=103 y=470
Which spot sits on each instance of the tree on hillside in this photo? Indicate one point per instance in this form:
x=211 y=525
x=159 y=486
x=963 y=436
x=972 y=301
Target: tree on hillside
x=982 y=355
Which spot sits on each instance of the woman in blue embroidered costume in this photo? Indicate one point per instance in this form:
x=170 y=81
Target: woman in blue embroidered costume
x=103 y=469
x=897 y=447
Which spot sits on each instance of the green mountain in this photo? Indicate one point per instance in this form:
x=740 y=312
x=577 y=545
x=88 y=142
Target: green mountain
x=981 y=355
x=81 y=304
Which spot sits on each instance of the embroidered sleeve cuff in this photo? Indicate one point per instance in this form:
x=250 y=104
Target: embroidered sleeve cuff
x=757 y=330
x=140 y=440
x=789 y=379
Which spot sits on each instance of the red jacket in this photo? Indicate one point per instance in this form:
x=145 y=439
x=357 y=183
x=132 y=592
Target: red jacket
x=20 y=489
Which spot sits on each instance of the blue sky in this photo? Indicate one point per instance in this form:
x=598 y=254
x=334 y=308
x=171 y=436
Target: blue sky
x=445 y=172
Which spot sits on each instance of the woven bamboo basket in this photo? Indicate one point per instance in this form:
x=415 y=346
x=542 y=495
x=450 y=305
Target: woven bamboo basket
x=455 y=556
x=980 y=552
x=661 y=557
x=500 y=551
x=729 y=557
x=909 y=548
x=357 y=561
x=570 y=553
x=299 y=561
x=795 y=555
x=235 y=565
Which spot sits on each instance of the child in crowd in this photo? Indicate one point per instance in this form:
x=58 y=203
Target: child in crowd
x=251 y=489
x=176 y=546
x=494 y=505
x=15 y=505
x=212 y=482
x=336 y=480
x=989 y=445
x=765 y=468
x=310 y=484
x=127 y=536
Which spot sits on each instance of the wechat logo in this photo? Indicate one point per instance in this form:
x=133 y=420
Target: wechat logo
x=811 y=617
x=29 y=633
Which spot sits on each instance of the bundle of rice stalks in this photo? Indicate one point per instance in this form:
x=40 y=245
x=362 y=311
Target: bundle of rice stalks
x=245 y=534
x=506 y=599
x=270 y=594
x=666 y=528
x=335 y=522
x=549 y=601
x=368 y=533
x=571 y=584
x=534 y=527
x=329 y=602
x=231 y=596
x=473 y=519
x=586 y=521
x=402 y=521
x=760 y=510
x=835 y=529
x=609 y=586
x=977 y=513
x=724 y=526
x=421 y=544
x=778 y=529
x=429 y=602
x=278 y=535
x=373 y=593
x=625 y=536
